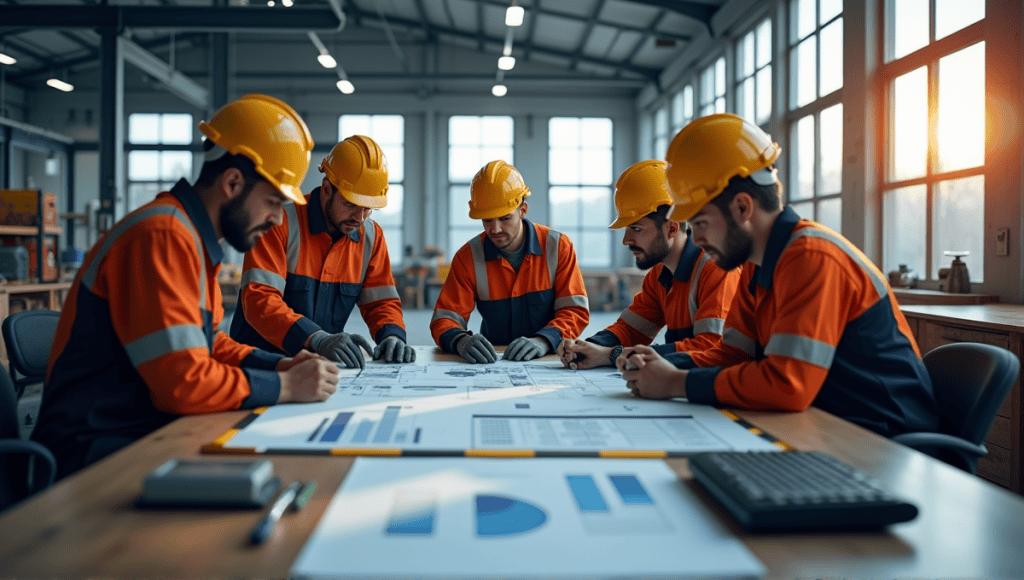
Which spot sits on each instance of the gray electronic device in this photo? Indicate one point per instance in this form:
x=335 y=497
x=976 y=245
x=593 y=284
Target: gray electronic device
x=186 y=482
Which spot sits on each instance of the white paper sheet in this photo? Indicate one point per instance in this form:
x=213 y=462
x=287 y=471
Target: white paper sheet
x=519 y=518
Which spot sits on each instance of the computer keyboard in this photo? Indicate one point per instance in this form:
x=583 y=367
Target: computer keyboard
x=796 y=491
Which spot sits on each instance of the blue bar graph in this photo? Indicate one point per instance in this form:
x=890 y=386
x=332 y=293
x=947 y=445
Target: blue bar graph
x=335 y=428
x=362 y=431
x=386 y=425
x=588 y=497
x=631 y=490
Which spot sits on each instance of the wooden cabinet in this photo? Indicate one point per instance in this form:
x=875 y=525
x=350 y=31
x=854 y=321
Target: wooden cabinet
x=1000 y=325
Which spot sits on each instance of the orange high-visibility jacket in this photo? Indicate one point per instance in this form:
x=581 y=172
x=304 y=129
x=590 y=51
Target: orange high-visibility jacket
x=816 y=323
x=137 y=343
x=298 y=280
x=545 y=298
x=693 y=301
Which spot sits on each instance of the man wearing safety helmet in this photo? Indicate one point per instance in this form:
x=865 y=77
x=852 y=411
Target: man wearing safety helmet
x=300 y=283
x=521 y=276
x=684 y=289
x=813 y=321
x=136 y=345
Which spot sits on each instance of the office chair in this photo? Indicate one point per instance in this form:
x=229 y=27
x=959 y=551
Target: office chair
x=970 y=381
x=25 y=466
x=28 y=336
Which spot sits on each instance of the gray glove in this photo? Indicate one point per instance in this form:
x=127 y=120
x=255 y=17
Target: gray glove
x=524 y=348
x=476 y=349
x=392 y=349
x=341 y=347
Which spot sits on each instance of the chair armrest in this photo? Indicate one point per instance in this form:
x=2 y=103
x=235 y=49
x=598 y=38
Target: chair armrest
x=922 y=441
x=36 y=451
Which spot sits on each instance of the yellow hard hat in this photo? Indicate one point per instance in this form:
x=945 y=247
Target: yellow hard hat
x=710 y=151
x=358 y=168
x=497 y=189
x=640 y=190
x=271 y=134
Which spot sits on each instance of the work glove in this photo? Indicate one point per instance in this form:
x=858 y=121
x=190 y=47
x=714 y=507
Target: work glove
x=476 y=349
x=341 y=347
x=392 y=349
x=524 y=348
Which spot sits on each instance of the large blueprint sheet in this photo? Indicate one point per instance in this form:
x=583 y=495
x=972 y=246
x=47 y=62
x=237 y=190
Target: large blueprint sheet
x=448 y=408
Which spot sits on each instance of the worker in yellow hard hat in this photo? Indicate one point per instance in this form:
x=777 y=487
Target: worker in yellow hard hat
x=137 y=342
x=300 y=283
x=814 y=321
x=521 y=276
x=684 y=289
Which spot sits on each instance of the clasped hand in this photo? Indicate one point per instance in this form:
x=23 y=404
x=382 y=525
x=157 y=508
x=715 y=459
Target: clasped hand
x=648 y=375
x=341 y=347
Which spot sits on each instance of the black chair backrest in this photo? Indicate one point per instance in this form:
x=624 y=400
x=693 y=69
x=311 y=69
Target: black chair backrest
x=971 y=380
x=25 y=466
x=28 y=336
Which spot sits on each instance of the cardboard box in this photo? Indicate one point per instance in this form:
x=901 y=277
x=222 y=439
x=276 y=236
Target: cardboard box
x=20 y=207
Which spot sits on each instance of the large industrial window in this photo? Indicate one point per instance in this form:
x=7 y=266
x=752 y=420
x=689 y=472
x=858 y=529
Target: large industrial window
x=815 y=179
x=389 y=132
x=754 y=73
x=154 y=163
x=682 y=109
x=712 y=88
x=933 y=192
x=472 y=143
x=580 y=192
x=661 y=132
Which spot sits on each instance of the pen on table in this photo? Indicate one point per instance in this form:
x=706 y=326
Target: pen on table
x=265 y=527
x=303 y=495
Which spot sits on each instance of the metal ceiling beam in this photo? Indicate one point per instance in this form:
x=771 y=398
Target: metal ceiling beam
x=480 y=38
x=643 y=39
x=448 y=13
x=206 y=19
x=535 y=9
x=649 y=73
x=487 y=77
x=586 y=32
x=696 y=10
x=174 y=81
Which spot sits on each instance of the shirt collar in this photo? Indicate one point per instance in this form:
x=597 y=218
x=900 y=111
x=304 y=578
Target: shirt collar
x=532 y=243
x=687 y=260
x=190 y=200
x=317 y=221
x=782 y=229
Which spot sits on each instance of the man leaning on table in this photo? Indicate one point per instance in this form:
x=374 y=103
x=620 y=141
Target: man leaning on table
x=521 y=276
x=684 y=288
x=813 y=321
x=136 y=345
x=302 y=280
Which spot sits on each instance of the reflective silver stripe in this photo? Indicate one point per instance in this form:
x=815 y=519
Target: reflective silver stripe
x=370 y=233
x=369 y=295
x=292 y=251
x=736 y=339
x=842 y=244
x=802 y=348
x=709 y=326
x=89 y=277
x=640 y=323
x=571 y=301
x=164 y=341
x=551 y=253
x=694 y=285
x=476 y=248
x=263 y=277
x=448 y=314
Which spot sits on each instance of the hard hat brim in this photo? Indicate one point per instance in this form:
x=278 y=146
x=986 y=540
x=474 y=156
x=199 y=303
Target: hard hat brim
x=293 y=194
x=624 y=221
x=683 y=212
x=368 y=201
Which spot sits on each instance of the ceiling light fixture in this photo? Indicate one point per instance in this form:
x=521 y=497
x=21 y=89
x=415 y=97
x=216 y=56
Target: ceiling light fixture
x=499 y=90
x=327 y=61
x=4 y=59
x=60 y=85
x=506 y=62
x=514 y=15
x=346 y=86
x=287 y=3
x=325 y=58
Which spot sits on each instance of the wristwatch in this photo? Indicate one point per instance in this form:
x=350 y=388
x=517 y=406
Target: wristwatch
x=614 y=354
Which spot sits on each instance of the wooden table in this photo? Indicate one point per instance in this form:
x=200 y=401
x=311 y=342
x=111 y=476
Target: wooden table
x=86 y=525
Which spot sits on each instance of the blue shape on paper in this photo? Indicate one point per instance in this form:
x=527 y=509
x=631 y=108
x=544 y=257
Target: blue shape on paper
x=421 y=524
x=631 y=490
x=334 y=429
x=362 y=431
x=386 y=425
x=498 y=516
x=588 y=497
